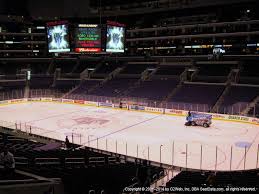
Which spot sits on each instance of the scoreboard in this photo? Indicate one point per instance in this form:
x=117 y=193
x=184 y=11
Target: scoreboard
x=85 y=38
x=58 y=36
x=115 y=37
x=88 y=38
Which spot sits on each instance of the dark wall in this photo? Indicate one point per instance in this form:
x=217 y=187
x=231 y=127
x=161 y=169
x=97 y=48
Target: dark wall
x=58 y=8
x=2 y=6
x=47 y=9
x=13 y=7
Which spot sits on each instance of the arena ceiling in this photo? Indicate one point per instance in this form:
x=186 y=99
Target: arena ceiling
x=86 y=8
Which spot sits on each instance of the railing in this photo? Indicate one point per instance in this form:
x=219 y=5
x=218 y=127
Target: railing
x=55 y=93
x=47 y=161
x=235 y=109
x=21 y=161
x=13 y=94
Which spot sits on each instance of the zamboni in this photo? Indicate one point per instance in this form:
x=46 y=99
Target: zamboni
x=194 y=119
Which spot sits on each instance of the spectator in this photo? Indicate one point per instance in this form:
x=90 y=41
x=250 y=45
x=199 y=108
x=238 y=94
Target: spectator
x=143 y=176
x=211 y=179
x=67 y=143
x=5 y=139
x=7 y=160
x=49 y=191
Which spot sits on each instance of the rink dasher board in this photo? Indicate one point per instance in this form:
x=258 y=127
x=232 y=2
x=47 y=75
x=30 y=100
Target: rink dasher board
x=173 y=112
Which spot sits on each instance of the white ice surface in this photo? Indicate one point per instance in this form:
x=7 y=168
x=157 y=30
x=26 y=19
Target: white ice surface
x=142 y=134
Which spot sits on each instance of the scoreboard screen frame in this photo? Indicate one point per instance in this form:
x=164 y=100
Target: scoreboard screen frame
x=59 y=25
x=113 y=24
x=88 y=49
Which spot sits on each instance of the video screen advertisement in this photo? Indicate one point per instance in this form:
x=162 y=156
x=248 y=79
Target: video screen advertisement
x=58 y=37
x=115 y=37
x=88 y=38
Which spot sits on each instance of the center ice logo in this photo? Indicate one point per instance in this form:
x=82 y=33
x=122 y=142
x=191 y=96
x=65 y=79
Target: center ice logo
x=83 y=121
x=89 y=120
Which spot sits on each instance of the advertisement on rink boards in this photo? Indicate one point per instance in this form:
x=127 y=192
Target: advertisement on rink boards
x=230 y=117
x=155 y=110
x=14 y=101
x=176 y=112
x=215 y=116
x=56 y=100
x=67 y=101
x=238 y=118
x=104 y=104
x=136 y=107
x=34 y=99
x=4 y=102
x=122 y=105
x=255 y=120
x=79 y=102
x=243 y=119
x=218 y=116
x=46 y=99
x=91 y=103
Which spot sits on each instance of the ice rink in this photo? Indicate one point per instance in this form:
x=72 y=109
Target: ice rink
x=157 y=137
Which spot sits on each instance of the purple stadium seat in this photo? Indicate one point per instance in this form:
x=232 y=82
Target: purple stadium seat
x=197 y=97
x=238 y=99
x=154 y=89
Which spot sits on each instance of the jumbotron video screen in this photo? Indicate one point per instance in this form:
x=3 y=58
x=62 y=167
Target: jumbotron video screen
x=115 y=39
x=88 y=38
x=58 y=37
